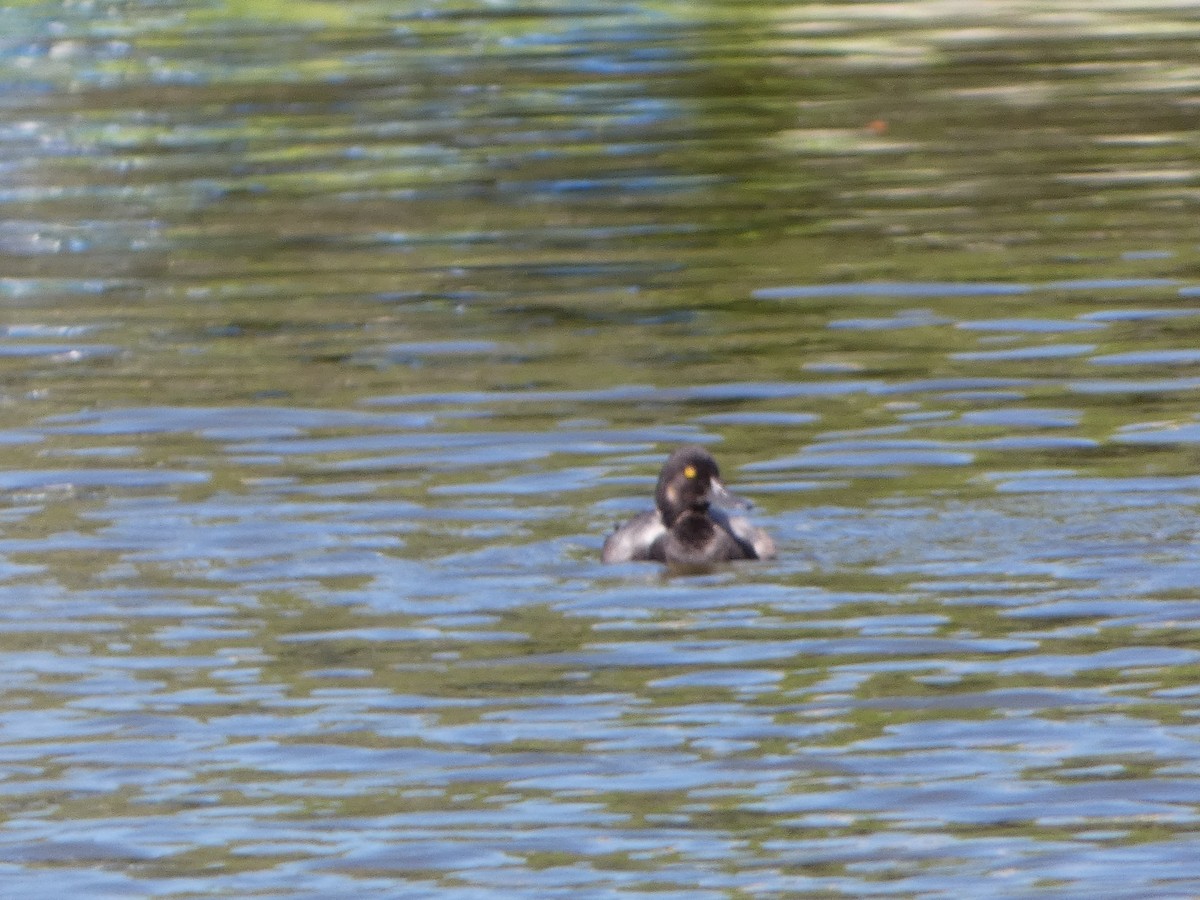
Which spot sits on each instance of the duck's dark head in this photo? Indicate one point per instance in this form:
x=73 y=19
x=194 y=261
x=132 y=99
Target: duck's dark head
x=689 y=482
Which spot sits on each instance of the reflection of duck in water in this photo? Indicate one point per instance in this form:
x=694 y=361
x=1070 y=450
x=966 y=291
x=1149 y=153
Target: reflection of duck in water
x=686 y=528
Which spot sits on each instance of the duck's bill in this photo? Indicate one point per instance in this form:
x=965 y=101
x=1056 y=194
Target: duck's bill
x=722 y=496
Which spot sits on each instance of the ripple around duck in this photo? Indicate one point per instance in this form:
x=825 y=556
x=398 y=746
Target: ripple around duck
x=819 y=457
x=1073 y=484
x=1031 y=326
x=1099 y=386
x=909 y=319
x=1050 y=351
x=1029 y=442
x=1185 y=433
x=47 y=479
x=1023 y=418
x=890 y=289
x=228 y=422
x=59 y=351
x=639 y=393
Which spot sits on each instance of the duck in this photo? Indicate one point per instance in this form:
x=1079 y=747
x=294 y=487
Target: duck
x=689 y=525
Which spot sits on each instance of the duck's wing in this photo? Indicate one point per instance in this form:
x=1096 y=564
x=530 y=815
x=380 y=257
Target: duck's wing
x=755 y=542
x=632 y=541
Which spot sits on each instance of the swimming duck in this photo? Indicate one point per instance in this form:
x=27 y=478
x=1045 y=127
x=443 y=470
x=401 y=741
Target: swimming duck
x=686 y=528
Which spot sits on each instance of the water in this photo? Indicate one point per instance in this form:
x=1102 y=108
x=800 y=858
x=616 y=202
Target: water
x=334 y=338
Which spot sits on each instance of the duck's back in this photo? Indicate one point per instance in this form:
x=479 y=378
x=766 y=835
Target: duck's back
x=755 y=542
x=634 y=540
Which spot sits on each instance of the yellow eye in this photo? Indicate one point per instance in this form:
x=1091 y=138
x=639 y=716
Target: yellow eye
x=689 y=472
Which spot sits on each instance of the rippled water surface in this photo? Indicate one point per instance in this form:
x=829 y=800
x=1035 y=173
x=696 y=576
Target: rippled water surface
x=334 y=337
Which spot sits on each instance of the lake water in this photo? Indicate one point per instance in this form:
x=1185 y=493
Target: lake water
x=334 y=337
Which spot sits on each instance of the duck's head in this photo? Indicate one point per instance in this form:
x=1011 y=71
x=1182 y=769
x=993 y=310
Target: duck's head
x=689 y=482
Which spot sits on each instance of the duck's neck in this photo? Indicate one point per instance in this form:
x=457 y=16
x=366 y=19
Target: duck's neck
x=672 y=514
x=693 y=525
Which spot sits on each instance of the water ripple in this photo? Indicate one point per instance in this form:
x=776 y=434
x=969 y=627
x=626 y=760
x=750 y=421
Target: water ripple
x=336 y=339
